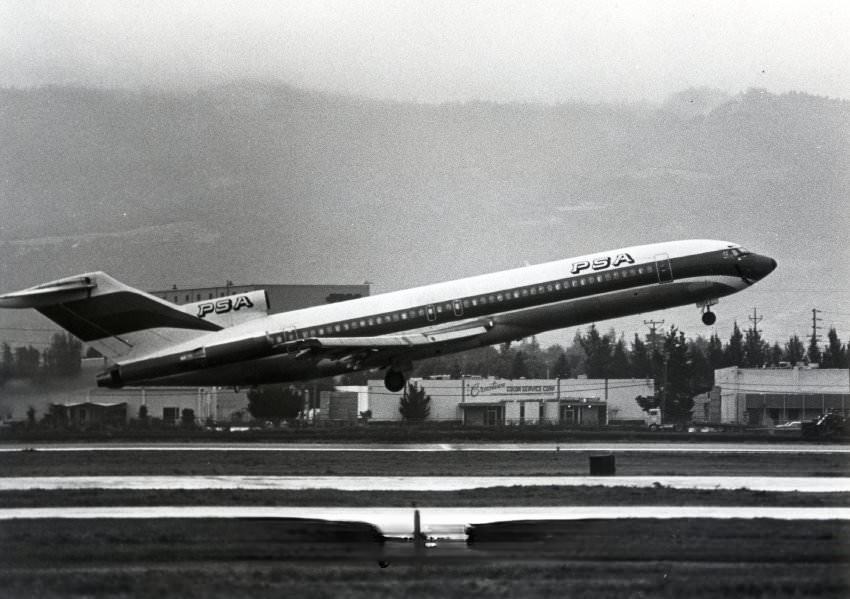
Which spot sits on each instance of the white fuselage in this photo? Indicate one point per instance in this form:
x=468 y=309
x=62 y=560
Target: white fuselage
x=497 y=307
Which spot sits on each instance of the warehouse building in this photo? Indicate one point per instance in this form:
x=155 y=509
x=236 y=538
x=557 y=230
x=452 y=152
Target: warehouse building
x=478 y=401
x=769 y=396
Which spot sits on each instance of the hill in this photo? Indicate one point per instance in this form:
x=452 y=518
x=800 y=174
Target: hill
x=262 y=181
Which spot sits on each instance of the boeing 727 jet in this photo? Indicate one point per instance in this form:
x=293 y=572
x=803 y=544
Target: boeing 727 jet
x=233 y=341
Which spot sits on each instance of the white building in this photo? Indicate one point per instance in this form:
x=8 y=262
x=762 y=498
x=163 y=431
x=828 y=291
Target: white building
x=587 y=402
x=766 y=396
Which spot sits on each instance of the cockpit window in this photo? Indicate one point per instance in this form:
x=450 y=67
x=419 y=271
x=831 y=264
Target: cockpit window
x=738 y=252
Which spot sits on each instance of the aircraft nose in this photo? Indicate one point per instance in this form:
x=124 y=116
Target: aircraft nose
x=756 y=266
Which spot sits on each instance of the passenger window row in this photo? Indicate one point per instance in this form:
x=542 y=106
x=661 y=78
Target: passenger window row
x=425 y=314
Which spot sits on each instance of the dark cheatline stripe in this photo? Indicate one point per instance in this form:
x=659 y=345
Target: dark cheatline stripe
x=120 y=313
x=704 y=264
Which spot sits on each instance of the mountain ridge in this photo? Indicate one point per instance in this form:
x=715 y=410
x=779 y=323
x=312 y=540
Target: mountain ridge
x=263 y=181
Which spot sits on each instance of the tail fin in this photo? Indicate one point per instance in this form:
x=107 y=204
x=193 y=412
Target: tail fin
x=117 y=320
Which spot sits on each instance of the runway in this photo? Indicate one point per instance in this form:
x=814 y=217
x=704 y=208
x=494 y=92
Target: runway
x=646 y=447
x=422 y=483
x=441 y=522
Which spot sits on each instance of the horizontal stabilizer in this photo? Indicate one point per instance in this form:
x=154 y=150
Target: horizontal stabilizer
x=116 y=319
x=66 y=290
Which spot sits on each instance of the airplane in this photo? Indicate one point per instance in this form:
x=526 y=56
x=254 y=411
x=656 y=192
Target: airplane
x=235 y=342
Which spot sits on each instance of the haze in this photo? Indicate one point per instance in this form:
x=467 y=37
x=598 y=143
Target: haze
x=434 y=51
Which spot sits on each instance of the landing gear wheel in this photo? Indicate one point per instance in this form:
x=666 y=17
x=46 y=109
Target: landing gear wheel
x=709 y=318
x=394 y=380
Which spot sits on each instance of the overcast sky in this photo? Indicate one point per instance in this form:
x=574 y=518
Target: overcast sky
x=434 y=50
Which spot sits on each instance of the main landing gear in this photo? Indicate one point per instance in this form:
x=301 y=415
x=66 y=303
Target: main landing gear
x=708 y=317
x=394 y=380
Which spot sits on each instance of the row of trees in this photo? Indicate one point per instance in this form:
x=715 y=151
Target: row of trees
x=681 y=367
x=61 y=359
x=599 y=355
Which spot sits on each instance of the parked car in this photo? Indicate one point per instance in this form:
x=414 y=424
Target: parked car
x=791 y=425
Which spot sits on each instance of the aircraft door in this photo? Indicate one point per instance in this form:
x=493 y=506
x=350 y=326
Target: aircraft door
x=663 y=268
x=430 y=313
x=458 y=307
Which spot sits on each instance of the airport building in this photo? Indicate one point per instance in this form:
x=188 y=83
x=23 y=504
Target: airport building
x=769 y=396
x=490 y=401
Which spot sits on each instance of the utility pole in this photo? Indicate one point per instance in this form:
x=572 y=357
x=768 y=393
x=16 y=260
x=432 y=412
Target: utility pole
x=651 y=324
x=815 y=326
x=755 y=319
x=664 y=417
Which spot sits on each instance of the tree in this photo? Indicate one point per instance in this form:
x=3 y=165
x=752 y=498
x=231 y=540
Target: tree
x=775 y=356
x=7 y=363
x=414 y=405
x=794 y=350
x=733 y=353
x=535 y=360
x=641 y=362
x=702 y=374
x=504 y=361
x=676 y=388
x=274 y=402
x=813 y=353
x=835 y=354
x=714 y=352
x=519 y=370
x=576 y=357
x=597 y=348
x=561 y=367
x=63 y=357
x=755 y=349
x=27 y=362
x=647 y=403
x=619 y=367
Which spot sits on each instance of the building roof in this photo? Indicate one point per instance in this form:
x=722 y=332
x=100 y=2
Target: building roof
x=92 y=403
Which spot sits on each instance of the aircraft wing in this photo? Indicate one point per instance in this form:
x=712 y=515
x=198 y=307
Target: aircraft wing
x=389 y=341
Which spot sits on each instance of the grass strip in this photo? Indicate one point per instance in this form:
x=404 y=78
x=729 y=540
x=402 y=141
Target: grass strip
x=502 y=496
x=364 y=463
